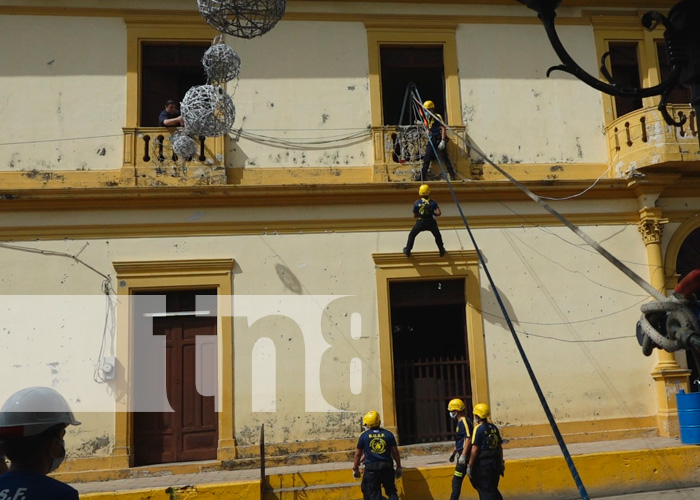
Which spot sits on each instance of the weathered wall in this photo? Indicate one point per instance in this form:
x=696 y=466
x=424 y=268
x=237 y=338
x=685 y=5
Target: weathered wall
x=63 y=98
x=300 y=86
x=514 y=113
x=553 y=287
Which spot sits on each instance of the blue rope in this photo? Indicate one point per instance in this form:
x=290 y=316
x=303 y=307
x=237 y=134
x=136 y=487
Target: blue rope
x=526 y=362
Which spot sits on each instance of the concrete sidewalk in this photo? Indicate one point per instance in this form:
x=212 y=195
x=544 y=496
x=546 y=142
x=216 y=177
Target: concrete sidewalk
x=606 y=467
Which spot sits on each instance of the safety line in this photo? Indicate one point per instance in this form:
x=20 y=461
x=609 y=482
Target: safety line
x=526 y=362
x=611 y=258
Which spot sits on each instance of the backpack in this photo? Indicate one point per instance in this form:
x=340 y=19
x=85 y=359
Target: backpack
x=425 y=210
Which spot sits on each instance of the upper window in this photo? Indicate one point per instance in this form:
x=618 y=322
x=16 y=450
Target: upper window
x=679 y=95
x=624 y=64
x=403 y=52
x=163 y=62
x=638 y=59
x=168 y=71
x=400 y=66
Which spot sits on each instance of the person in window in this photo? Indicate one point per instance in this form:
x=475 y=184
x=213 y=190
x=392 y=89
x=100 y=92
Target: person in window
x=170 y=116
x=436 y=142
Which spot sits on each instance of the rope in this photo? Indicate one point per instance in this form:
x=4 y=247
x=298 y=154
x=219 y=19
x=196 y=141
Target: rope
x=526 y=362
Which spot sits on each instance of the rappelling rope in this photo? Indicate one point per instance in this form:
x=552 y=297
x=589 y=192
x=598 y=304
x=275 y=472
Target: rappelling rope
x=550 y=417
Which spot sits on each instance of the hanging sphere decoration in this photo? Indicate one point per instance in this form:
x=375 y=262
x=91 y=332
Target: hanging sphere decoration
x=221 y=63
x=242 y=18
x=184 y=146
x=207 y=110
x=410 y=143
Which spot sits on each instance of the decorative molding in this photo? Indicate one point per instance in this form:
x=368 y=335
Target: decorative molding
x=239 y=228
x=651 y=225
x=130 y=269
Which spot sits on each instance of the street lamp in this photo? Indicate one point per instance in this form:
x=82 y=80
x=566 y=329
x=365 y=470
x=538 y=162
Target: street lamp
x=682 y=39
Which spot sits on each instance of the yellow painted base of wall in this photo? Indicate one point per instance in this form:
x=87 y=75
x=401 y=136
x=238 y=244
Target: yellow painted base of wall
x=602 y=474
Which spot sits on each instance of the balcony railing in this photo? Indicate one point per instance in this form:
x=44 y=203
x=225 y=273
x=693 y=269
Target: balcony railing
x=149 y=159
x=398 y=152
x=643 y=139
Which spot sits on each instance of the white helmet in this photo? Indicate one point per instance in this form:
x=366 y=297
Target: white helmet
x=33 y=410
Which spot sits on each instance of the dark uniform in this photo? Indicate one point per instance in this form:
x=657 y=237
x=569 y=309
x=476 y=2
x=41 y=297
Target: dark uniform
x=425 y=221
x=489 y=462
x=30 y=486
x=435 y=138
x=463 y=432
x=376 y=444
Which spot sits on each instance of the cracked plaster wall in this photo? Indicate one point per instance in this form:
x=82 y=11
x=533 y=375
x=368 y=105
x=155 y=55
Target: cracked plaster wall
x=514 y=113
x=552 y=289
x=298 y=84
x=64 y=89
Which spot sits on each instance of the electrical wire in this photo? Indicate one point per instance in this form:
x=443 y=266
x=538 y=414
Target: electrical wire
x=106 y=289
x=309 y=143
x=582 y=192
x=60 y=140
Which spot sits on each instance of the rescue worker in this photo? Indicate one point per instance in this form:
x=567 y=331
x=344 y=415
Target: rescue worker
x=436 y=142
x=379 y=447
x=463 y=444
x=33 y=423
x=425 y=211
x=486 y=463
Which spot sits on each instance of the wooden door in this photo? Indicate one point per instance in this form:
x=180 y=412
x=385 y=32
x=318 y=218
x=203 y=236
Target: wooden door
x=191 y=431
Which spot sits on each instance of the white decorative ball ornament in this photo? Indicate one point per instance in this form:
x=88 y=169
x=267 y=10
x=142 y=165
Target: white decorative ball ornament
x=221 y=63
x=207 y=110
x=242 y=18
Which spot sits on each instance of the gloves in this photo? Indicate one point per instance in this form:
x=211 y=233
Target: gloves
x=469 y=472
x=503 y=469
x=398 y=473
x=356 y=473
x=452 y=457
x=441 y=145
x=462 y=460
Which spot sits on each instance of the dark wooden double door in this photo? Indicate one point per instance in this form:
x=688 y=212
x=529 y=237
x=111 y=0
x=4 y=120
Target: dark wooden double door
x=190 y=433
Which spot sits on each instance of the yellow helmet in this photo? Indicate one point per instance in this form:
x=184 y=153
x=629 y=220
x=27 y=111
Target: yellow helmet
x=429 y=105
x=482 y=411
x=456 y=405
x=424 y=190
x=372 y=419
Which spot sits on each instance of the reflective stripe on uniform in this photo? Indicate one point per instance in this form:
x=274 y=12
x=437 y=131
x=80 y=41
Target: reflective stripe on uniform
x=459 y=474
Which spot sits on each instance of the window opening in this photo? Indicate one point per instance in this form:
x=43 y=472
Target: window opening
x=624 y=64
x=423 y=66
x=679 y=95
x=168 y=71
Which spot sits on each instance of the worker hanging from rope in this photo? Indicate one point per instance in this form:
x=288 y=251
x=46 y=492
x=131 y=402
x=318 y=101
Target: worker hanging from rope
x=425 y=211
x=437 y=141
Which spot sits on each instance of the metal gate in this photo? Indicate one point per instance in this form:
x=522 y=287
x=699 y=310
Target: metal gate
x=424 y=387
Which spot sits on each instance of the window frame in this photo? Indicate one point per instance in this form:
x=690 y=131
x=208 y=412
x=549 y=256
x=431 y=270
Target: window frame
x=609 y=29
x=158 y=29
x=410 y=33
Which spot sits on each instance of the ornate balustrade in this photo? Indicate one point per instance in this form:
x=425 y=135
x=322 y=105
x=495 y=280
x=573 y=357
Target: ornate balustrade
x=643 y=139
x=397 y=152
x=149 y=159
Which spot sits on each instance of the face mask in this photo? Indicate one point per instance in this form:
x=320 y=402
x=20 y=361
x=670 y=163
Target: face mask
x=453 y=414
x=55 y=464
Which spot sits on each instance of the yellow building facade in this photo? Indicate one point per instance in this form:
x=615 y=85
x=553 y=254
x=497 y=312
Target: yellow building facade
x=295 y=222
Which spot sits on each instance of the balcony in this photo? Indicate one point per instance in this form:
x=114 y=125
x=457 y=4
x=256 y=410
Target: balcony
x=149 y=160
x=643 y=140
x=397 y=152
